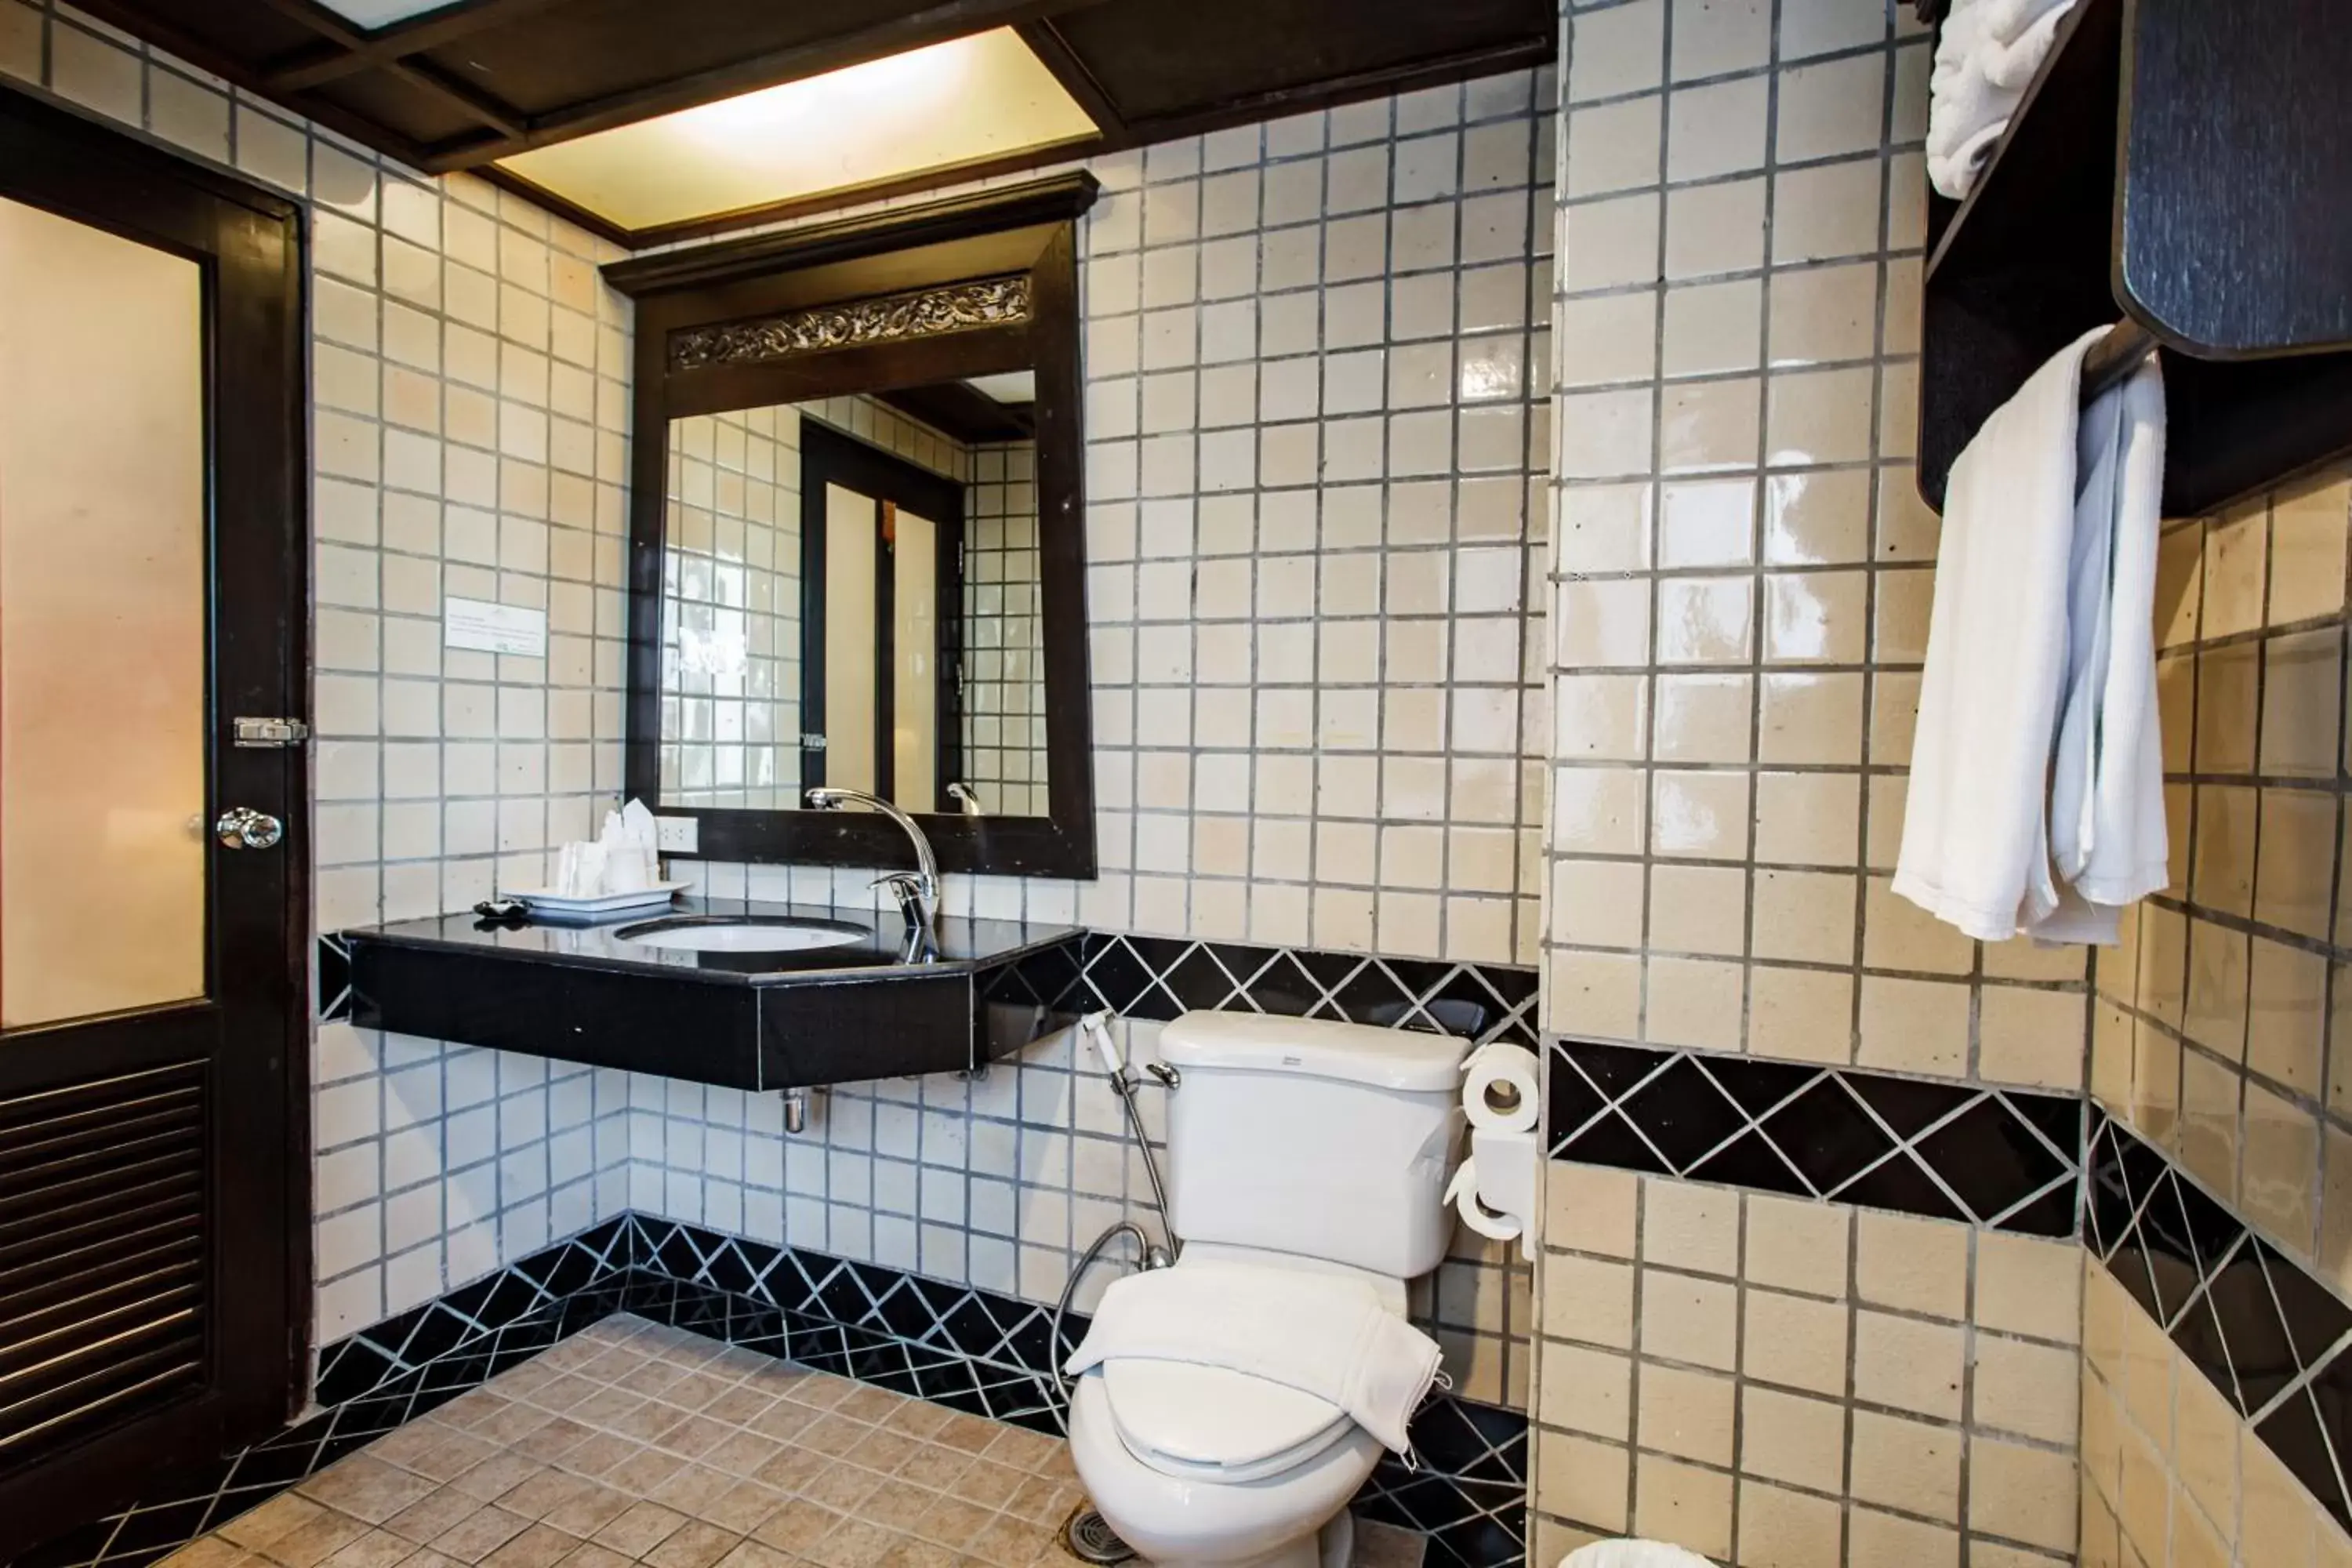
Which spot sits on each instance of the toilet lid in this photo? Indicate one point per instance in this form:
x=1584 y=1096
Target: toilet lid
x=1212 y=1415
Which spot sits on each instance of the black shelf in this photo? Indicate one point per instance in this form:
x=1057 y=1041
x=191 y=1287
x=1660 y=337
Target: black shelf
x=2184 y=164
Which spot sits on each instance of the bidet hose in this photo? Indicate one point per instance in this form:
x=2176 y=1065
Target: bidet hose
x=1086 y=1260
x=1123 y=1085
x=1148 y=1253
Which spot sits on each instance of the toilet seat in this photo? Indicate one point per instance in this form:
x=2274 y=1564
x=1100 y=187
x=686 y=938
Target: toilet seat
x=1212 y=1423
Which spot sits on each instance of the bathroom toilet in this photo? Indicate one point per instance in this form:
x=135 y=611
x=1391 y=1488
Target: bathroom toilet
x=1292 y=1143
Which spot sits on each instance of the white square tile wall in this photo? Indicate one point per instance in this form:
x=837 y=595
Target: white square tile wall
x=1316 y=470
x=1316 y=501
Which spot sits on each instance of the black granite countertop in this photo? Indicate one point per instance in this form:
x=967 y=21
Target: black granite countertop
x=962 y=944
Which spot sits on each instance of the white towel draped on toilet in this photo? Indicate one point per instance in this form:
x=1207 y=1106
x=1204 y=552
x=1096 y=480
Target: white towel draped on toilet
x=2036 y=800
x=1633 y=1554
x=1324 y=1335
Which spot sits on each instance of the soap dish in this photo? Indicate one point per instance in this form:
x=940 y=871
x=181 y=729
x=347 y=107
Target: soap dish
x=546 y=904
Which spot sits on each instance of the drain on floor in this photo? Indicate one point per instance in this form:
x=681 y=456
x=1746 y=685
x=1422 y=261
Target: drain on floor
x=1085 y=1536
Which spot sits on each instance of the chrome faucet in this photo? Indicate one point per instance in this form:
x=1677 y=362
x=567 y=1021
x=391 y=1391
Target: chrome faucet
x=918 y=893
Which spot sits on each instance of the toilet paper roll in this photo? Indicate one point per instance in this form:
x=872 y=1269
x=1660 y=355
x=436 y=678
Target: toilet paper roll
x=1462 y=1194
x=1506 y=1166
x=1499 y=1088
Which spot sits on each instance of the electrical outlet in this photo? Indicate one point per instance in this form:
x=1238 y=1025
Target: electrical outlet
x=680 y=835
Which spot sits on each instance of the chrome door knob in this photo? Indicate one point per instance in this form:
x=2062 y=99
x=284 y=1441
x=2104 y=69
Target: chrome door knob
x=242 y=827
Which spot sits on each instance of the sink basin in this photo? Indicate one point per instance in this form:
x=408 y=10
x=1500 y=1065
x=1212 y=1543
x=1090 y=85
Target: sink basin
x=739 y=933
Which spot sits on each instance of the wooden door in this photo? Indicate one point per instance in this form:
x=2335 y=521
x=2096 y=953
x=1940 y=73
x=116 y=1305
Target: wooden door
x=154 y=1124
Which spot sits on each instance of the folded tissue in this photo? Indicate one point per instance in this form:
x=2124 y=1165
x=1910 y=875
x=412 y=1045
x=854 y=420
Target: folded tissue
x=625 y=858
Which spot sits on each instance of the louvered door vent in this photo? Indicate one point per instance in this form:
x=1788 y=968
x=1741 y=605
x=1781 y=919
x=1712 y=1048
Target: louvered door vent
x=103 y=1276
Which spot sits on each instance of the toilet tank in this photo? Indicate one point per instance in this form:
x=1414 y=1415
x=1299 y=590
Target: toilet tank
x=1332 y=1141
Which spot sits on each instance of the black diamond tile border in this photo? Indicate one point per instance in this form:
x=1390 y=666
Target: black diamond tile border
x=334 y=991
x=2004 y=1158
x=1160 y=977
x=970 y=1350
x=375 y=1357
x=2266 y=1333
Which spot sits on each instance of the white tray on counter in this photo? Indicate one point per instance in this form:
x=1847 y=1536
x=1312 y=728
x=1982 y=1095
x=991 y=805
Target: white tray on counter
x=545 y=903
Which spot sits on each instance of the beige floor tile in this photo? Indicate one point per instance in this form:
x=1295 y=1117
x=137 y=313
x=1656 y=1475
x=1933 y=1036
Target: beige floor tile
x=632 y=1445
x=479 y=1534
x=273 y=1518
x=434 y=1514
x=798 y=1524
x=589 y=1510
x=365 y=1487
x=1025 y=1450
x=537 y=1546
x=312 y=1542
x=210 y=1552
x=639 y=1529
x=743 y=1506
x=696 y=1544
x=377 y=1549
x=497 y=1475
x=841 y=1486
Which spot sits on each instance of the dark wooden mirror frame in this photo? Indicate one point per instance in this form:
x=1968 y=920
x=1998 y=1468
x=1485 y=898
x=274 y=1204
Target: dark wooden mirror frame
x=970 y=285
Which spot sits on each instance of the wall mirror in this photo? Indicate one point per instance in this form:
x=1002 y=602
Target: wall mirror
x=856 y=536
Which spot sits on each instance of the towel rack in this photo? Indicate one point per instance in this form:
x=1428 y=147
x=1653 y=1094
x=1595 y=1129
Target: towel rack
x=2182 y=167
x=2110 y=360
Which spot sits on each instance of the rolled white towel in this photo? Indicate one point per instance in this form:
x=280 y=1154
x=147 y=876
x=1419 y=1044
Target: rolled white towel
x=2005 y=21
x=1955 y=172
x=1986 y=56
x=2010 y=66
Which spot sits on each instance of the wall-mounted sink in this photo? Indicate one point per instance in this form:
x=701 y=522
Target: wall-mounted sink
x=743 y=933
x=748 y=996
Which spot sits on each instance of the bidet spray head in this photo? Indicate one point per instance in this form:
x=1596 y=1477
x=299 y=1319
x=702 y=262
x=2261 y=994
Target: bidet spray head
x=1095 y=1025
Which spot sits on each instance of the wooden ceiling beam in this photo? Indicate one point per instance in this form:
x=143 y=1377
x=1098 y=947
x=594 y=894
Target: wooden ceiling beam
x=1046 y=42
x=1329 y=93
x=332 y=62
x=135 y=18
x=333 y=29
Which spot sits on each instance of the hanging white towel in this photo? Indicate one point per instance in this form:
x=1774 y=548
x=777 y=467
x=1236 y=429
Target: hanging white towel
x=1324 y=1335
x=2036 y=800
x=2107 y=833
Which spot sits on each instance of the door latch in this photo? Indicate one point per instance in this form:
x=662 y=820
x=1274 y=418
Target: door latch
x=242 y=827
x=270 y=731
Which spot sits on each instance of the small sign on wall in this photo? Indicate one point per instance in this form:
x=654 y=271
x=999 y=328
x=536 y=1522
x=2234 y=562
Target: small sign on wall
x=494 y=629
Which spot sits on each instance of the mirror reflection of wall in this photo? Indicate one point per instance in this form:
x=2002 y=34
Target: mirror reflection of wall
x=851 y=596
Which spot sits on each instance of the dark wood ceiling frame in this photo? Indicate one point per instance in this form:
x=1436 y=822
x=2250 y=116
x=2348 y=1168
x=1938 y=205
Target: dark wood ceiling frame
x=1118 y=134
x=343 y=49
x=315 y=78
x=335 y=58
x=1121 y=133
x=654 y=236
x=1030 y=230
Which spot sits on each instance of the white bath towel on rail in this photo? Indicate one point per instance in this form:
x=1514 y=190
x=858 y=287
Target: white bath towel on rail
x=1324 y=1335
x=2036 y=799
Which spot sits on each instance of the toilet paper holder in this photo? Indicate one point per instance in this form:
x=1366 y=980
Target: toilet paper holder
x=1494 y=1189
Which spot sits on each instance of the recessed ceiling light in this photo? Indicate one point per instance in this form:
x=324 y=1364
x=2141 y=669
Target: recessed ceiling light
x=383 y=13
x=1006 y=386
x=934 y=109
